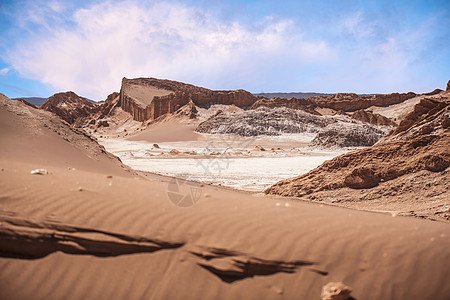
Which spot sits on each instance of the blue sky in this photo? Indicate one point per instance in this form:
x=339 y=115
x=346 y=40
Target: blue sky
x=261 y=46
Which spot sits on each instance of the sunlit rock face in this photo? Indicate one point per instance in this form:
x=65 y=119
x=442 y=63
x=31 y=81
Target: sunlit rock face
x=149 y=98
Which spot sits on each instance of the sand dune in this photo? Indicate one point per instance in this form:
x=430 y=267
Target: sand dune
x=101 y=231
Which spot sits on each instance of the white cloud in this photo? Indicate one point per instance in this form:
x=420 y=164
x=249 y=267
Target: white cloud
x=167 y=40
x=357 y=25
x=5 y=71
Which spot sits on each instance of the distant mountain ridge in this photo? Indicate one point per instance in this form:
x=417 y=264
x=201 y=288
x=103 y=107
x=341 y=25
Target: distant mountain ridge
x=298 y=95
x=38 y=101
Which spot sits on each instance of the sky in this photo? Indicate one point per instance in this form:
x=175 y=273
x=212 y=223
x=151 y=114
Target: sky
x=327 y=46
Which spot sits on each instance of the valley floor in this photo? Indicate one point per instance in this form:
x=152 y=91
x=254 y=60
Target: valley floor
x=246 y=163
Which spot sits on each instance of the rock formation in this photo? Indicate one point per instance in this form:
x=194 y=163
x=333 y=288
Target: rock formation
x=347 y=102
x=149 y=98
x=419 y=147
x=423 y=118
x=347 y=135
x=264 y=121
x=371 y=118
x=434 y=92
x=448 y=86
x=332 y=131
x=69 y=106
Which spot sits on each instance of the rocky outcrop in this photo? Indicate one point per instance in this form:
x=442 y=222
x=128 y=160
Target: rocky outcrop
x=149 y=98
x=371 y=118
x=361 y=178
x=69 y=106
x=110 y=103
x=347 y=102
x=448 y=86
x=425 y=117
x=189 y=110
x=332 y=131
x=305 y=104
x=264 y=121
x=421 y=142
x=347 y=135
x=435 y=92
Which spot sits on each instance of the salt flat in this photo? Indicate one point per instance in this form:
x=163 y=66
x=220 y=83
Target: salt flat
x=233 y=163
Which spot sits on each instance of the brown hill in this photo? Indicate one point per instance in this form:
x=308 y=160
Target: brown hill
x=69 y=106
x=411 y=162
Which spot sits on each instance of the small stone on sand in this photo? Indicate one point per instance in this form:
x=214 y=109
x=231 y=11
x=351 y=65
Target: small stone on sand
x=335 y=291
x=39 y=172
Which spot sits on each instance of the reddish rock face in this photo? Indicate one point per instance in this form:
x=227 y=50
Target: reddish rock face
x=369 y=117
x=148 y=98
x=340 y=102
x=69 y=106
x=424 y=109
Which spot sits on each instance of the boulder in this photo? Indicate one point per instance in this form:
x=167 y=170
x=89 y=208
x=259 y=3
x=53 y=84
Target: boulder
x=361 y=178
x=435 y=163
x=335 y=291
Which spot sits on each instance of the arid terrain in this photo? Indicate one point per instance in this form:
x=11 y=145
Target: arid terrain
x=166 y=190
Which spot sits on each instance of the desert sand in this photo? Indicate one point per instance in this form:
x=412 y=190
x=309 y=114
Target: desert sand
x=94 y=229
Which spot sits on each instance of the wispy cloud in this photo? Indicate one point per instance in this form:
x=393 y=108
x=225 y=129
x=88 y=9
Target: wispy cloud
x=5 y=71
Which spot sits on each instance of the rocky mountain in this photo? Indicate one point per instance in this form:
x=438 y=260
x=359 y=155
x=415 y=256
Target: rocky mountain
x=144 y=100
x=69 y=106
x=149 y=98
x=298 y=95
x=410 y=162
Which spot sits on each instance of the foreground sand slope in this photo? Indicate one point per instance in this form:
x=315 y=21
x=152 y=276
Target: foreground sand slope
x=100 y=232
